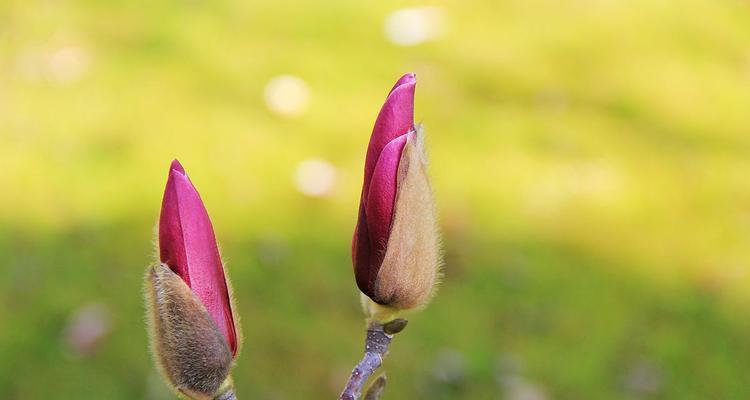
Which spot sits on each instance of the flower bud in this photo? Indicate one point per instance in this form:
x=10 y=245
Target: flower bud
x=192 y=326
x=395 y=246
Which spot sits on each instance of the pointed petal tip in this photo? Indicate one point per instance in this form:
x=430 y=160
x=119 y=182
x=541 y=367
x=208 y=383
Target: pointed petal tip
x=406 y=79
x=177 y=167
x=410 y=77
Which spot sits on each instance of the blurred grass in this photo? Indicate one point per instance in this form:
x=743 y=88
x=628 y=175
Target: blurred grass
x=590 y=160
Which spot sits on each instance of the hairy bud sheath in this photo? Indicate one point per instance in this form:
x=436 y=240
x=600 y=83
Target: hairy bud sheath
x=193 y=328
x=395 y=246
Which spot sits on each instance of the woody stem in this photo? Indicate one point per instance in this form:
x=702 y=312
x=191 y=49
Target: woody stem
x=376 y=347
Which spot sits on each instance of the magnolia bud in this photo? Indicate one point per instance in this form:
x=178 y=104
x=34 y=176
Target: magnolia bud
x=192 y=325
x=395 y=246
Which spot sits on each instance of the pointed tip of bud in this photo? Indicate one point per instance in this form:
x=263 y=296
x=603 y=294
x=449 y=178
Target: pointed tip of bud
x=176 y=166
x=408 y=78
x=396 y=118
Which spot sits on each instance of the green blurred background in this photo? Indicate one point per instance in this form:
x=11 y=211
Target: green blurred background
x=590 y=159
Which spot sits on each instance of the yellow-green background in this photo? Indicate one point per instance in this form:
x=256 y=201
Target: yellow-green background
x=590 y=160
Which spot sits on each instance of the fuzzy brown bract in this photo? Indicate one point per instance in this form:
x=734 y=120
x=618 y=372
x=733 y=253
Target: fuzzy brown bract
x=408 y=274
x=190 y=351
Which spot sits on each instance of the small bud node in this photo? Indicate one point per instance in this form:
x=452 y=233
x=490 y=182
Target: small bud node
x=395 y=326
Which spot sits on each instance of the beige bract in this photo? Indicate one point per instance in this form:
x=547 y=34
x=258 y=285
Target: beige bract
x=409 y=272
x=191 y=352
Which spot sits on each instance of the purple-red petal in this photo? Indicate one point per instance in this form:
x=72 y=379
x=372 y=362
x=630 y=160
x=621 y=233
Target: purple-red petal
x=396 y=118
x=188 y=246
x=406 y=78
x=382 y=196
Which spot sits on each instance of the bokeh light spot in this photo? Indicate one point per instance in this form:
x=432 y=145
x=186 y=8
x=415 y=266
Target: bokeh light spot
x=315 y=177
x=412 y=26
x=287 y=96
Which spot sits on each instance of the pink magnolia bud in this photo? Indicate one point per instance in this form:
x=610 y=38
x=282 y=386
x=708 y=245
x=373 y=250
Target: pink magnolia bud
x=194 y=333
x=188 y=246
x=395 y=250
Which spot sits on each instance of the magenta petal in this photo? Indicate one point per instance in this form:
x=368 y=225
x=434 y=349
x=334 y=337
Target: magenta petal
x=396 y=118
x=176 y=166
x=188 y=246
x=382 y=195
x=361 y=252
x=406 y=78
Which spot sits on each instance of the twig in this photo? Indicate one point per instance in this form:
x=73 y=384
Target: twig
x=378 y=340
